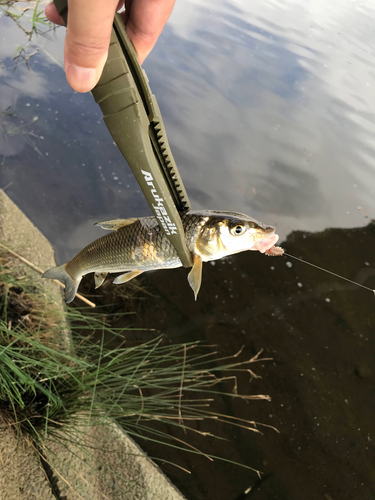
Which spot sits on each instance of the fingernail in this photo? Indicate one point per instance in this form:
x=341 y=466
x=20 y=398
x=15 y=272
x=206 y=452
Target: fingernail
x=81 y=79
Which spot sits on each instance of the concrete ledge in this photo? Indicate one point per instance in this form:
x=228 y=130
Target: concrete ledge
x=117 y=468
x=21 y=476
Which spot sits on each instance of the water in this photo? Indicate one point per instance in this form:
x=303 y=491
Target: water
x=269 y=110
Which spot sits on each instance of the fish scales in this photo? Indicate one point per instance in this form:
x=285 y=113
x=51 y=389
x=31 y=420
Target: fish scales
x=140 y=245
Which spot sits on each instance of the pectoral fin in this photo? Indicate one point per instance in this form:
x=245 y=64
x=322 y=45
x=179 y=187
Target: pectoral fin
x=115 y=224
x=195 y=275
x=99 y=279
x=124 y=278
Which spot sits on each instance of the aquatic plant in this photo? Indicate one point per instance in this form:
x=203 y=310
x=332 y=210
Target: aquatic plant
x=14 y=134
x=18 y=14
x=29 y=18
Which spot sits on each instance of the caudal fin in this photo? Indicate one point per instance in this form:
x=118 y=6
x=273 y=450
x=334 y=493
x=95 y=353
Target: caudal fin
x=71 y=284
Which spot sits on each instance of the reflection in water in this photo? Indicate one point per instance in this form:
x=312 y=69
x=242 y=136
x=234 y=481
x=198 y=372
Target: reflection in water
x=287 y=190
x=244 y=89
x=275 y=62
x=11 y=142
x=14 y=136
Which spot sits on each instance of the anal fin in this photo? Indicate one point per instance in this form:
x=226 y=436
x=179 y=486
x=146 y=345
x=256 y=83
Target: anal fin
x=124 y=278
x=99 y=279
x=195 y=275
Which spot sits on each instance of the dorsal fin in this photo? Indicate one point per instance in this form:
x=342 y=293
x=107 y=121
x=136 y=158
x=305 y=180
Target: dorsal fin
x=115 y=224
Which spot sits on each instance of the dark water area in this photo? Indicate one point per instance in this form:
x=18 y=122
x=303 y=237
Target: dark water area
x=269 y=109
x=319 y=332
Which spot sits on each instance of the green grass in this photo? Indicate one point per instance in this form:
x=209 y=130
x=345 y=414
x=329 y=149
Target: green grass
x=36 y=19
x=48 y=393
x=31 y=20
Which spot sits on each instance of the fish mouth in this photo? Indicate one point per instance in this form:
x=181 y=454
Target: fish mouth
x=266 y=243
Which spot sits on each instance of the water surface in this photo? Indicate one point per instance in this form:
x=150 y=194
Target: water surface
x=269 y=109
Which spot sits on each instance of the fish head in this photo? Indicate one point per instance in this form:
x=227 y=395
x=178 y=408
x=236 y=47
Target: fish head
x=247 y=233
x=231 y=233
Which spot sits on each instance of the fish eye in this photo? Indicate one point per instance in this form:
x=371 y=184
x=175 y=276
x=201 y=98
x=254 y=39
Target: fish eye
x=237 y=229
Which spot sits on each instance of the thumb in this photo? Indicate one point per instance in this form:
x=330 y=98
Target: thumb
x=87 y=41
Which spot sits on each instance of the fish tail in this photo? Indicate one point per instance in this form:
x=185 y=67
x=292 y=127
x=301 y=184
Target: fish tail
x=71 y=283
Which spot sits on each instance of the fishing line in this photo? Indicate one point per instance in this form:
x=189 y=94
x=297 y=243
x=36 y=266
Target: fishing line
x=330 y=272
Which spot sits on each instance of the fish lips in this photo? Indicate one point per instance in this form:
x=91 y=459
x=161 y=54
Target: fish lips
x=266 y=243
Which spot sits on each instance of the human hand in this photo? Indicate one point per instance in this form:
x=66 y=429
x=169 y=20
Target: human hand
x=89 y=32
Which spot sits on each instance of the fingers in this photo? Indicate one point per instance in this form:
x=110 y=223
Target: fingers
x=89 y=32
x=145 y=20
x=87 y=41
x=53 y=15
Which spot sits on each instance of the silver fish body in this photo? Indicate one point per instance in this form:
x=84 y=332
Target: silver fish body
x=139 y=245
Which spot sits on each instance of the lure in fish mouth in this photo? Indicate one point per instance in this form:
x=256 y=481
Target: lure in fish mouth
x=139 y=245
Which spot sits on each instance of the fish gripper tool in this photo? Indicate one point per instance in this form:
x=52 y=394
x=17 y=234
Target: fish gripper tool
x=133 y=118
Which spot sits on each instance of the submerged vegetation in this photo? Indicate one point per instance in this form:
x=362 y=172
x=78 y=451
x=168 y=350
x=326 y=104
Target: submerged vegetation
x=29 y=16
x=15 y=134
x=47 y=391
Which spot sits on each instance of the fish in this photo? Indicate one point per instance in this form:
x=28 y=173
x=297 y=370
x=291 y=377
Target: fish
x=139 y=245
